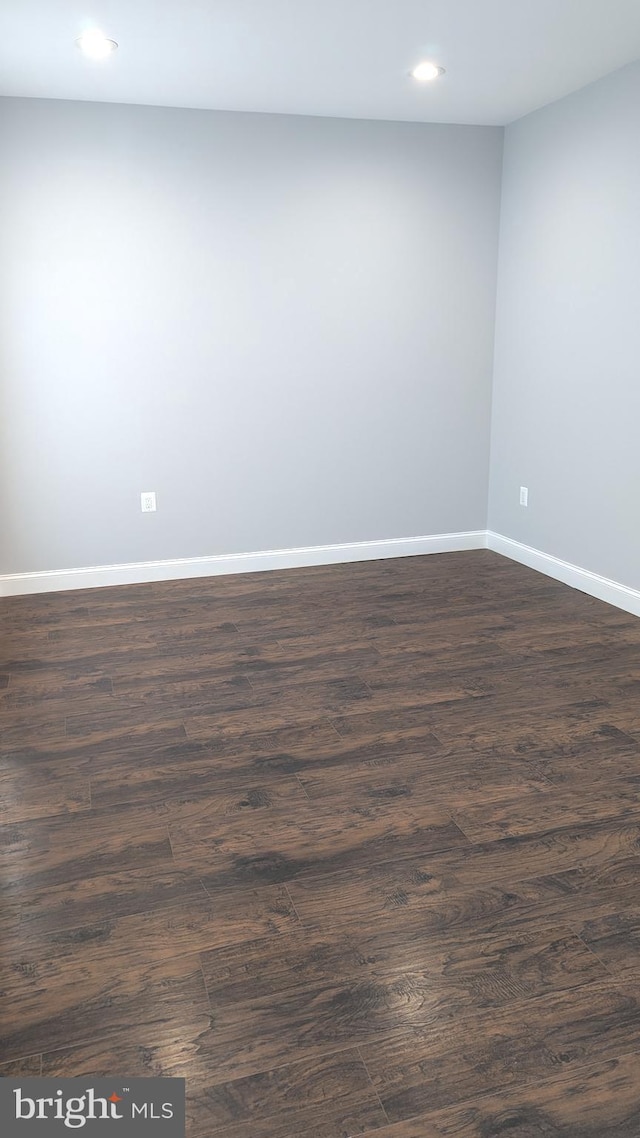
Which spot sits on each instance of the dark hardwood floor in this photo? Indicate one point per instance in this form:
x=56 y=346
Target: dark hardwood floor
x=352 y=849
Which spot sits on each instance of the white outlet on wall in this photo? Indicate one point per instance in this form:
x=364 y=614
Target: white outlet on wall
x=524 y=495
x=148 y=501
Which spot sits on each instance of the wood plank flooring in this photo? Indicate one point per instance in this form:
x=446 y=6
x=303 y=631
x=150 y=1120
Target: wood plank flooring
x=354 y=850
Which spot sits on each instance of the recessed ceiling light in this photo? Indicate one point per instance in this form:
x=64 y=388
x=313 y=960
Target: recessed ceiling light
x=427 y=71
x=95 y=44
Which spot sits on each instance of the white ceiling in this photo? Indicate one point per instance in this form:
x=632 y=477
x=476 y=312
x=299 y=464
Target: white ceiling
x=347 y=58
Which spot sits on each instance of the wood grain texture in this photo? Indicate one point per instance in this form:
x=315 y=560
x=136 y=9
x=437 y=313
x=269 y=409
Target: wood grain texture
x=425 y=1067
x=66 y=1001
x=353 y=849
x=600 y=1101
x=28 y=1068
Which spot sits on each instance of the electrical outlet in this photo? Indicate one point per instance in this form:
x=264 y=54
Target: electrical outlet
x=148 y=501
x=524 y=495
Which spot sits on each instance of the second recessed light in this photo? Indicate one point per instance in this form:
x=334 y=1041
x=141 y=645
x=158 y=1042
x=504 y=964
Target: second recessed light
x=426 y=72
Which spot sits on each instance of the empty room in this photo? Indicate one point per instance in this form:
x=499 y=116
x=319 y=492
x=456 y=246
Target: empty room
x=320 y=568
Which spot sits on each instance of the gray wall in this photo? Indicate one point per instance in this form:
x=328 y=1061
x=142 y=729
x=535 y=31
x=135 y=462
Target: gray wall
x=566 y=404
x=283 y=326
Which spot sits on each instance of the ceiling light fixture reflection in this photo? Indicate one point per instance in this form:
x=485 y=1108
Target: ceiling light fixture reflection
x=95 y=45
x=426 y=72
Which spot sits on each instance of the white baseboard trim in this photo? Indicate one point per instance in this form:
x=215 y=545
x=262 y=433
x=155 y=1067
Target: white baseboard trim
x=98 y=576
x=604 y=589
